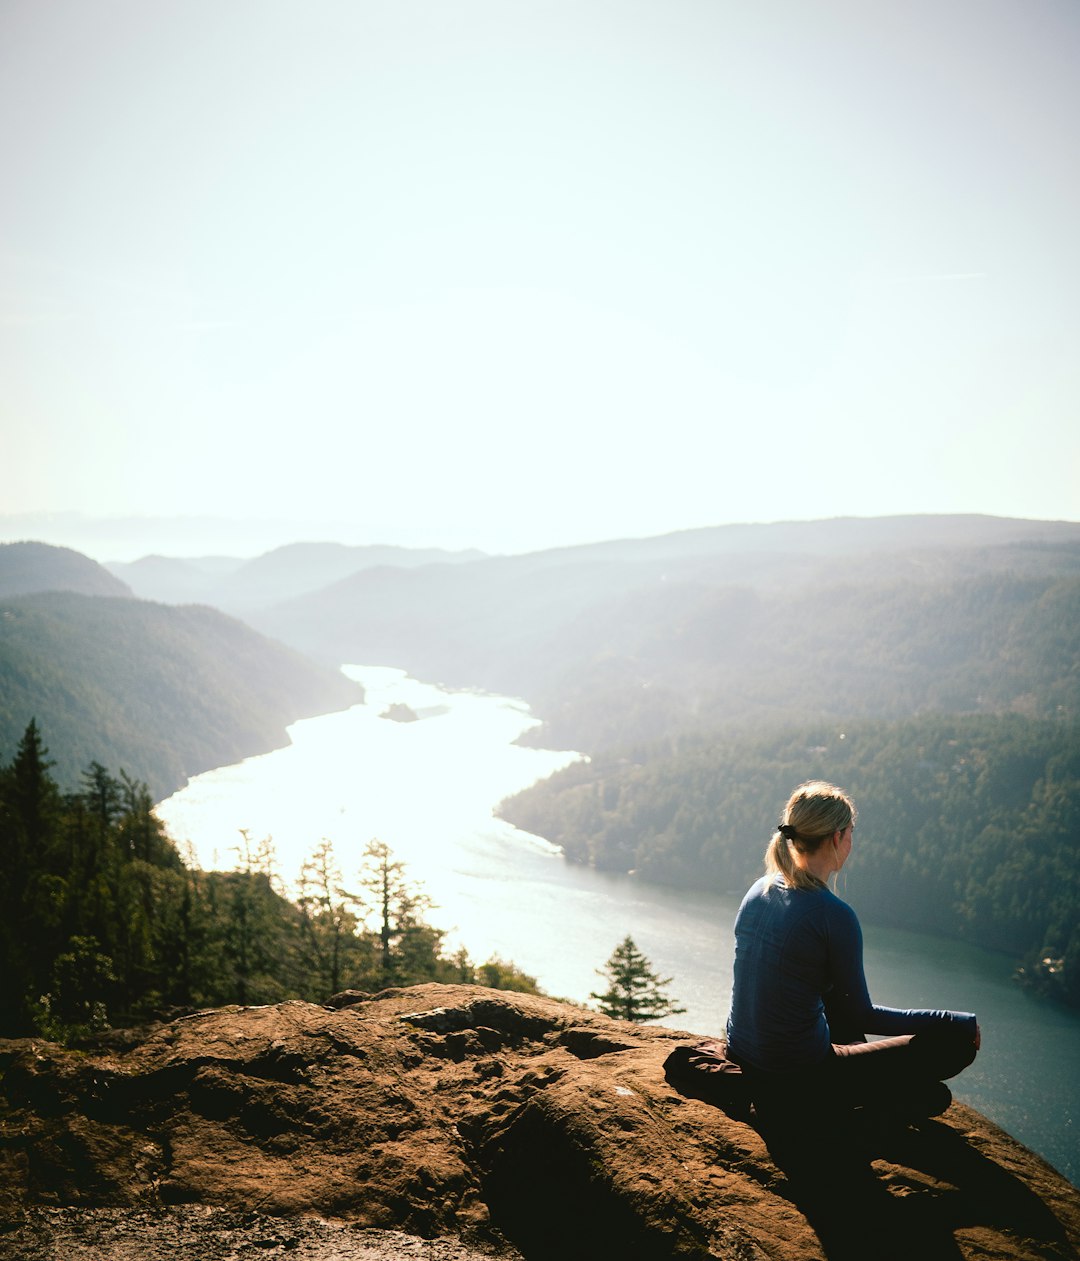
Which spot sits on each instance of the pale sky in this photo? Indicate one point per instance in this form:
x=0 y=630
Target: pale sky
x=520 y=273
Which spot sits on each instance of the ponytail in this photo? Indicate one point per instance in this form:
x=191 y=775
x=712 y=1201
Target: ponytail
x=814 y=812
x=779 y=862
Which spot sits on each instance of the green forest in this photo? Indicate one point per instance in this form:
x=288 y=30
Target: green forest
x=165 y=692
x=692 y=657
x=103 y=923
x=613 y=650
x=928 y=665
x=968 y=827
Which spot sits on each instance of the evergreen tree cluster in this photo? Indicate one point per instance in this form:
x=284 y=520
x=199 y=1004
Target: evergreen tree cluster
x=968 y=827
x=102 y=922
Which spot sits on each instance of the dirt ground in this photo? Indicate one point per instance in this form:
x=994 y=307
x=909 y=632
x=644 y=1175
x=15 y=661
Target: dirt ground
x=197 y=1233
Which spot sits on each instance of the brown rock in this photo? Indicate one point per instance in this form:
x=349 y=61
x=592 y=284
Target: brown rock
x=480 y=1119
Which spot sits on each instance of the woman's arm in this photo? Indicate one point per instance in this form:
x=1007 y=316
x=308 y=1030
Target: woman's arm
x=849 y=999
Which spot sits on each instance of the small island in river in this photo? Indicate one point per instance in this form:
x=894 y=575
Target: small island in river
x=400 y=712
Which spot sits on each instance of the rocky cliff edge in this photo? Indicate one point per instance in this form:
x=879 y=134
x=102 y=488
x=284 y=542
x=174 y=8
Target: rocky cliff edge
x=452 y=1122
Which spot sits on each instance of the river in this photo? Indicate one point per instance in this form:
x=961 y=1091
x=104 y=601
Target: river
x=427 y=788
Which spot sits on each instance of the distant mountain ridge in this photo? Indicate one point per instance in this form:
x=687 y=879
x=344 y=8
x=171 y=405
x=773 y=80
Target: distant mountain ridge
x=642 y=639
x=822 y=537
x=636 y=639
x=239 y=586
x=27 y=567
x=160 y=692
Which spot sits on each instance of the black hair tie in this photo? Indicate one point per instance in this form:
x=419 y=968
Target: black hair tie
x=787 y=832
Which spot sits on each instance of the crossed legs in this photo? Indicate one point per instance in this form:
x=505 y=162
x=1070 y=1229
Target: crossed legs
x=900 y=1075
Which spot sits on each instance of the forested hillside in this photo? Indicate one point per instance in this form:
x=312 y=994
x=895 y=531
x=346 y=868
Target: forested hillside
x=708 y=673
x=162 y=692
x=102 y=922
x=968 y=827
x=517 y=623
x=693 y=658
x=612 y=654
x=30 y=567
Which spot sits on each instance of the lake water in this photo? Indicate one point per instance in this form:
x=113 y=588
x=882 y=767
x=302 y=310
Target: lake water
x=427 y=788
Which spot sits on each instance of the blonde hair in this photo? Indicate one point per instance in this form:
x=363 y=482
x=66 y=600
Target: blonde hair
x=814 y=812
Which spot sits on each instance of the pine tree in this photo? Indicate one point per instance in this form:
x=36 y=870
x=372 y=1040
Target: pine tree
x=329 y=944
x=634 y=989
x=256 y=944
x=33 y=797
x=102 y=794
x=406 y=943
x=31 y=886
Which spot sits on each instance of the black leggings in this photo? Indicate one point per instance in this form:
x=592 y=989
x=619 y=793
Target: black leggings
x=894 y=1073
x=902 y=1076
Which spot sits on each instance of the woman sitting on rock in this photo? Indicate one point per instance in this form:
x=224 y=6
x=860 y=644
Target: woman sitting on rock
x=800 y=1008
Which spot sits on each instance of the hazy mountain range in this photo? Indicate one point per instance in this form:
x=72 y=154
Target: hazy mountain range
x=617 y=642
x=705 y=672
x=238 y=586
x=162 y=693
x=635 y=639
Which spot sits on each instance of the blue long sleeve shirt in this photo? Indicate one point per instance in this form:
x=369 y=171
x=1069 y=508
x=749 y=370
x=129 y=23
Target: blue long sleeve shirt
x=795 y=948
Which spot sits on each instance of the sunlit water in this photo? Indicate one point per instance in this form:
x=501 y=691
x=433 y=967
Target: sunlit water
x=427 y=789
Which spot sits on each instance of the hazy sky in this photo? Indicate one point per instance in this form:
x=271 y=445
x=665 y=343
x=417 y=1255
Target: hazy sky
x=512 y=273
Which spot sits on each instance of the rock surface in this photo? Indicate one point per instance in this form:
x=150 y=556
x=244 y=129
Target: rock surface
x=468 y=1123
